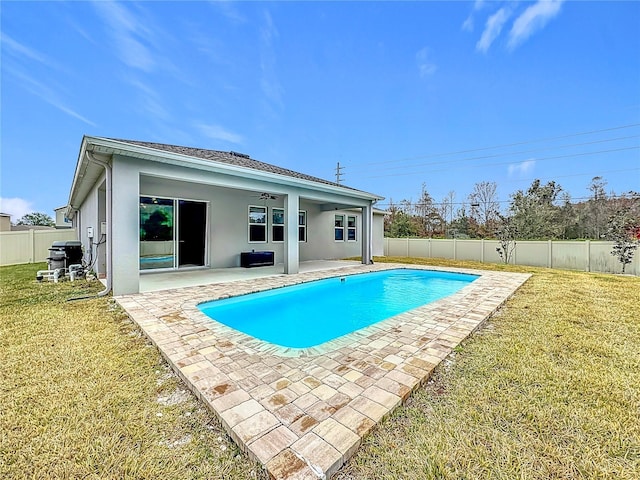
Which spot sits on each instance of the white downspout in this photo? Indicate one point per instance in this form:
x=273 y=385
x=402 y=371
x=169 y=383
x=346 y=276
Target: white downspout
x=107 y=171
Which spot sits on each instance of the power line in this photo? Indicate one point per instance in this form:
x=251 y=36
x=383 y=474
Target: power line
x=574 y=175
x=458 y=152
x=556 y=157
x=495 y=155
x=611 y=197
x=633 y=196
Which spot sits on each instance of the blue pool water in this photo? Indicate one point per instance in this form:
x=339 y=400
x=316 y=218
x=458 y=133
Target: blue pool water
x=309 y=314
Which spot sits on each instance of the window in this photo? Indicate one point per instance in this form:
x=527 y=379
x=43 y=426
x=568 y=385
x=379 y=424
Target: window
x=257 y=224
x=302 y=226
x=277 y=225
x=351 y=228
x=339 y=228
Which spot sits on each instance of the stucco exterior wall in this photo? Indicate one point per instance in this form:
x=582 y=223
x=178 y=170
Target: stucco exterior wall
x=87 y=216
x=228 y=228
x=228 y=198
x=378 y=234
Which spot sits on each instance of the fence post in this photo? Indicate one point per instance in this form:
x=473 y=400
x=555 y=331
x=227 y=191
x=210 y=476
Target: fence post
x=482 y=250
x=407 y=247
x=550 y=254
x=430 y=256
x=32 y=243
x=588 y=255
x=455 y=248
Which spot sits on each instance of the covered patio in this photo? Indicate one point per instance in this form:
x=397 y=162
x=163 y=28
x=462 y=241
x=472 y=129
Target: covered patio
x=152 y=282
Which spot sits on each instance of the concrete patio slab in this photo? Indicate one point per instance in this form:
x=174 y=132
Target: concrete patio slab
x=303 y=412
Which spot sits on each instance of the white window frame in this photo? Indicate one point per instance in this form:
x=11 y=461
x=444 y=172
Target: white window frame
x=250 y=223
x=337 y=228
x=280 y=225
x=302 y=227
x=353 y=228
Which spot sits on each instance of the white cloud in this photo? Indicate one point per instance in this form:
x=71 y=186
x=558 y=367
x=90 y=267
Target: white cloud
x=522 y=169
x=16 y=207
x=216 y=132
x=269 y=82
x=126 y=31
x=468 y=24
x=492 y=29
x=478 y=4
x=426 y=67
x=46 y=93
x=149 y=99
x=533 y=18
x=19 y=50
x=227 y=8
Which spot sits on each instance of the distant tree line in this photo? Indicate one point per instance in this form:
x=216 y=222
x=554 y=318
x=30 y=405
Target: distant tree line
x=542 y=212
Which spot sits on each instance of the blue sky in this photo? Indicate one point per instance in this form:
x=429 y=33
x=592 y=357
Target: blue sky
x=443 y=93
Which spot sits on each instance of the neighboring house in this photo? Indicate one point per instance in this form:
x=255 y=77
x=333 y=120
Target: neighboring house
x=61 y=218
x=154 y=207
x=5 y=222
x=6 y=226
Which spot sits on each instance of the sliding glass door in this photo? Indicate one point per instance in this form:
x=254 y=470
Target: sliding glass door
x=172 y=233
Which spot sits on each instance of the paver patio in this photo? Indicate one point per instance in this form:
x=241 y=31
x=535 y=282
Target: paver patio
x=303 y=412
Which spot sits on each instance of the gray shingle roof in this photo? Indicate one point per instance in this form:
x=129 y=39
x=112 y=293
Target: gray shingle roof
x=232 y=158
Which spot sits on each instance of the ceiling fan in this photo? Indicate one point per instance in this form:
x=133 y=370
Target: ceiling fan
x=266 y=196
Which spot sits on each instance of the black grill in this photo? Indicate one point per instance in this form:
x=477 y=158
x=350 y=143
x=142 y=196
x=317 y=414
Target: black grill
x=63 y=254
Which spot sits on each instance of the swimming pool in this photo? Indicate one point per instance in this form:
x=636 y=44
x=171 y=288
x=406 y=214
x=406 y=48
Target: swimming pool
x=313 y=313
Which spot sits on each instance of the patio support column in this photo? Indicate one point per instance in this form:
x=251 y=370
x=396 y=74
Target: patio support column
x=367 y=234
x=291 y=246
x=125 y=237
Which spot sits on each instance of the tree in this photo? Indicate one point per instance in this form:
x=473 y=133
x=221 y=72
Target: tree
x=428 y=214
x=403 y=225
x=486 y=208
x=36 y=219
x=507 y=233
x=535 y=214
x=463 y=225
x=446 y=210
x=569 y=218
x=596 y=207
x=622 y=229
x=157 y=227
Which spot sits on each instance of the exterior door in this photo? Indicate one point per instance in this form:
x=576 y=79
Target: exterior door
x=172 y=233
x=192 y=231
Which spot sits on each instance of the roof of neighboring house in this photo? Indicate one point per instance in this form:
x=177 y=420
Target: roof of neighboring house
x=232 y=158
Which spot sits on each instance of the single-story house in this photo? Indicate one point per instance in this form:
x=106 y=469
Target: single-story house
x=61 y=218
x=142 y=207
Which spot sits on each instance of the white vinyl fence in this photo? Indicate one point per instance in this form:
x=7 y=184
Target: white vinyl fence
x=589 y=256
x=30 y=246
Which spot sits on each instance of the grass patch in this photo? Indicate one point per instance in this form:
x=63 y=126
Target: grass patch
x=548 y=388
x=84 y=395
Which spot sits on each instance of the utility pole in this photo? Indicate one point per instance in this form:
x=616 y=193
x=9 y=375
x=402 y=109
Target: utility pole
x=339 y=173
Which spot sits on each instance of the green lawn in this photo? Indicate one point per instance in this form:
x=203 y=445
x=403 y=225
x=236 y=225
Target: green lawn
x=83 y=395
x=549 y=388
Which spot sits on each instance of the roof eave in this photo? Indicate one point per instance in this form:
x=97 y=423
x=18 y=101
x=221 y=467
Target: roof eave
x=122 y=148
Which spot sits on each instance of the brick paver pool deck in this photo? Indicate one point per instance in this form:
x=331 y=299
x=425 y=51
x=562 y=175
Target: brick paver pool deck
x=303 y=412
